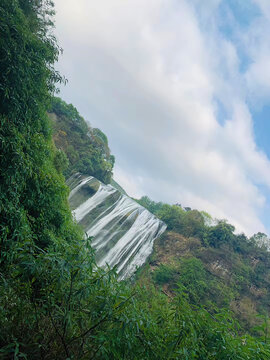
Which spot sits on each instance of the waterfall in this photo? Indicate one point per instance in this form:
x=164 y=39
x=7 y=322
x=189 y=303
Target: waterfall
x=122 y=231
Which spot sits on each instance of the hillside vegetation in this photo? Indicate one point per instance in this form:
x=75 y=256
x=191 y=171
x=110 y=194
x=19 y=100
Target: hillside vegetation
x=212 y=265
x=54 y=302
x=81 y=148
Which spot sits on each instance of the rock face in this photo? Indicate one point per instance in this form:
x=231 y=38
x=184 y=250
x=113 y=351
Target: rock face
x=123 y=231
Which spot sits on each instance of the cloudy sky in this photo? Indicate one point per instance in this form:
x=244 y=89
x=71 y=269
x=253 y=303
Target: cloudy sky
x=182 y=90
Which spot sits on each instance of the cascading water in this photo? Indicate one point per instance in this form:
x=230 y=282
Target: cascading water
x=123 y=232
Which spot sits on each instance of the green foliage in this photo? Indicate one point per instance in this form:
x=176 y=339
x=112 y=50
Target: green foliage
x=171 y=328
x=220 y=234
x=164 y=274
x=56 y=303
x=235 y=270
x=149 y=204
x=189 y=223
x=193 y=280
x=32 y=193
x=61 y=161
x=86 y=148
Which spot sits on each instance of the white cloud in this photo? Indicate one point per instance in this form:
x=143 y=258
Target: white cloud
x=146 y=73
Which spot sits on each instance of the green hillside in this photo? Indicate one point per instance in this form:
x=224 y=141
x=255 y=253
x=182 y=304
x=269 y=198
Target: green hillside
x=85 y=148
x=214 y=267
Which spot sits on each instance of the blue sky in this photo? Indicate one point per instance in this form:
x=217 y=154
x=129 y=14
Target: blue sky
x=182 y=90
x=238 y=16
x=262 y=128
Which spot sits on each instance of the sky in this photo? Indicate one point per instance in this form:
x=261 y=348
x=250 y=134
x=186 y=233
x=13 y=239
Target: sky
x=181 y=88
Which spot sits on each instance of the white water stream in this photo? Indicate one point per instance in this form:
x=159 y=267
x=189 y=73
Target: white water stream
x=123 y=231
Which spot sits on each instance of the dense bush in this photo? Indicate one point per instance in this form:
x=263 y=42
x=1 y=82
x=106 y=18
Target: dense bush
x=164 y=274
